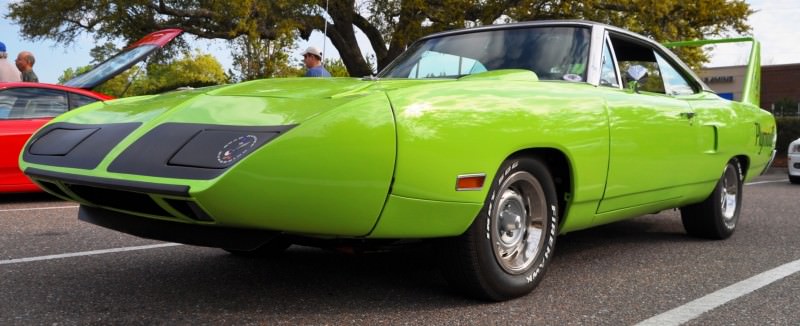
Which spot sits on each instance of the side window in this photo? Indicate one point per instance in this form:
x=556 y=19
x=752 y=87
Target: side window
x=608 y=74
x=76 y=100
x=29 y=103
x=630 y=54
x=6 y=103
x=440 y=65
x=674 y=82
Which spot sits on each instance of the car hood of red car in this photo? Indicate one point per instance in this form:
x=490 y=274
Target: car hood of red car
x=120 y=62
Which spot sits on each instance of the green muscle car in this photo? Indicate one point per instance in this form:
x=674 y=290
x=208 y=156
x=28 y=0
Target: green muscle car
x=489 y=142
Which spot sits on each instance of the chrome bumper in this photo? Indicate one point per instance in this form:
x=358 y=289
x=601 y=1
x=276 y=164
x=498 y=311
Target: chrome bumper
x=769 y=163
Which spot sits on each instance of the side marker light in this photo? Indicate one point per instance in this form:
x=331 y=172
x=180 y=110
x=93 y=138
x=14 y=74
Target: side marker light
x=470 y=181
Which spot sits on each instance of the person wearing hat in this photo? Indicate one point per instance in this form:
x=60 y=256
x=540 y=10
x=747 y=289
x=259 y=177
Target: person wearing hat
x=312 y=58
x=8 y=73
x=25 y=61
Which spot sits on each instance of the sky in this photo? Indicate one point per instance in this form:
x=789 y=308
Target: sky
x=772 y=25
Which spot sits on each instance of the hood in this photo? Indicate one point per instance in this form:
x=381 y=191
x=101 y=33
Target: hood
x=120 y=62
x=282 y=101
x=298 y=88
x=261 y=102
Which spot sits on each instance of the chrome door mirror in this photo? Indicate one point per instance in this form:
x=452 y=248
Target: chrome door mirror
x=636 y=73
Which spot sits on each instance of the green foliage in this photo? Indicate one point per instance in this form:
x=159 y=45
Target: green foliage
x=788 y=131
x=102 y=52
x=72 y=73
x=336 y=68
x=786 y=106
x=255 y=58
x=192 y=69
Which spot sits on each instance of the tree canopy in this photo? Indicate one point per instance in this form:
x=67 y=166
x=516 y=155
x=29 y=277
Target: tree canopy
x=390 y=25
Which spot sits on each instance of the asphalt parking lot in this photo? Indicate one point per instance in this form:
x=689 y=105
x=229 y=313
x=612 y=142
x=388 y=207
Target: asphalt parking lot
x=57 y=270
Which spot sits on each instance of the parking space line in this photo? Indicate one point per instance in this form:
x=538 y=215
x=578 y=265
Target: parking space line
x=768 y=181
x=36 y=208
x=699 y=306
x=86 y=253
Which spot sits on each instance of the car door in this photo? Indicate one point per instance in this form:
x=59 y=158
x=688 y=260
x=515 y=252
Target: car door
x=23 y=111
x=653 y=140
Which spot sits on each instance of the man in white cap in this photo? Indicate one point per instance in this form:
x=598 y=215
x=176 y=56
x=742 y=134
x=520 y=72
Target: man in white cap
x=8 y=73
x=312 y=58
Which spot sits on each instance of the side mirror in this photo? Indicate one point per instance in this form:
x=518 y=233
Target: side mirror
x=636 y=73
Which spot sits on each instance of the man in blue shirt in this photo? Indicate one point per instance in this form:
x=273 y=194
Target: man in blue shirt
x=312 y=58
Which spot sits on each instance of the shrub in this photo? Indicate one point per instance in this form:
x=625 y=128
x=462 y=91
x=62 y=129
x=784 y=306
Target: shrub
x=788 y=131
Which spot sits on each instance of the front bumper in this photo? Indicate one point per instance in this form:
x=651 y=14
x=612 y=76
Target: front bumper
x=156 y=200
x=193 y=234
x=769 y=163
x=793 y=164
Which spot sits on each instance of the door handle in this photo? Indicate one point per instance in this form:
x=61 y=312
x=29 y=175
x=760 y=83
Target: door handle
x=687 y=115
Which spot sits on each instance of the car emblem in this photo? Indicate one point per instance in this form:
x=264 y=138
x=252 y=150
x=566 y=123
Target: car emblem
x=236 y=148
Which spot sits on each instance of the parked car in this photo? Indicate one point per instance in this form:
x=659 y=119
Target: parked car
x=26 y=107
x=488 y=141
x=793 y=161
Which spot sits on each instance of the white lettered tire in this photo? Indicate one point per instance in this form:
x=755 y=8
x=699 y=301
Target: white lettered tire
x=506 y=250
x=716 y=217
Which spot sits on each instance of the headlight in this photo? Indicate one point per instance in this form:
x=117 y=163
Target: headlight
x=794 y=148
x=219 y=149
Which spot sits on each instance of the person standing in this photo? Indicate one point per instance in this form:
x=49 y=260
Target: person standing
x=8 y=73
x=25 y=61
x=312 y=58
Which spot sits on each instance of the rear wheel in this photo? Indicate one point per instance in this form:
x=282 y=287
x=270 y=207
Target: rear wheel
x=716 y=217
x=506 y=250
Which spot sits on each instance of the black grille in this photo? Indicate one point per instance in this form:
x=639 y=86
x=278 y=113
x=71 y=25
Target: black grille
x=189 y=208
x=119 y=199
x=53 y=188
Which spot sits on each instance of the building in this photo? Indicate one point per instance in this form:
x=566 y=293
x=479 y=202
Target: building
x=780 y=86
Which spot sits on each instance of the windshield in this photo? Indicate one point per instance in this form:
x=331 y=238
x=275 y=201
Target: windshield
x=111 y=67
x=553 y=53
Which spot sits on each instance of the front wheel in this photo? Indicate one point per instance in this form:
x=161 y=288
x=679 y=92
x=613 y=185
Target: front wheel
x=506 y=250
x=716 y=217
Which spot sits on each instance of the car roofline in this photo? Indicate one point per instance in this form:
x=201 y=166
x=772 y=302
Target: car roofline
x=76 y=90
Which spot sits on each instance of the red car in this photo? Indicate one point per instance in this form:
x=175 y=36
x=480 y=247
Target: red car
x=25 y=107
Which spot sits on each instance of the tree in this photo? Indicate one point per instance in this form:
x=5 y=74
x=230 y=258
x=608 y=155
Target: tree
x=390 y=25
x=192 y=69
x=256 y=58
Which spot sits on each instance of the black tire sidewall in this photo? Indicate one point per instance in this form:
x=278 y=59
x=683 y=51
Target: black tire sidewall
x=724 y=228
x=503 y=284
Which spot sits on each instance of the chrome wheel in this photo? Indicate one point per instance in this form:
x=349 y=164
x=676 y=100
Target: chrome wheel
x=729 y=195
x=717 y=215
x=506 y=250
x=517 y=222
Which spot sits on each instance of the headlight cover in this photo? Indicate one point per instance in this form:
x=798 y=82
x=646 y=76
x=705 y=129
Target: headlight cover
x=192 y=151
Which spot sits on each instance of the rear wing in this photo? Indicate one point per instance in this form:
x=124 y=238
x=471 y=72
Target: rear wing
x=751 y=91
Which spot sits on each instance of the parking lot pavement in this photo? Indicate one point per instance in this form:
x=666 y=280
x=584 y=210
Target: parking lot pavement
x=55 y=269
